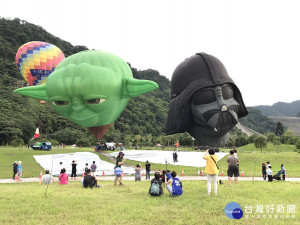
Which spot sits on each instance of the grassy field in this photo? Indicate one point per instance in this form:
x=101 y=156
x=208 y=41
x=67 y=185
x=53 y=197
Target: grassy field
x=26 y=203
x=250 y=163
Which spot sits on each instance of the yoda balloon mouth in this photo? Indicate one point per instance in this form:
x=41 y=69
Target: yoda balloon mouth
x=91 y=88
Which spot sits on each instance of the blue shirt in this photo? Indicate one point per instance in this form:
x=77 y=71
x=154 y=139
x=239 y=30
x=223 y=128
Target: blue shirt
x=176 y=187
x=19 y=168
x=283 y=170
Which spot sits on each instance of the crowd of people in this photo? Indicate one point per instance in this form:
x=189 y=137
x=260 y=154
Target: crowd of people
x=161 y=178
x=266 y=169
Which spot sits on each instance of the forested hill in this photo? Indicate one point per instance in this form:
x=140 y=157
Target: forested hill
x=281 y=109
x=144 y=117
x=143 y=120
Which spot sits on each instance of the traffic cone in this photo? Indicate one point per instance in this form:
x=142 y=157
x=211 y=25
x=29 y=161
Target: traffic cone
x=242 y=173
x=143 y=174
x=202 y=172
x=16 y=177
x=182 y=173
x=103 y=174
x=41 y=174
x=83 y=174
x=222 y=174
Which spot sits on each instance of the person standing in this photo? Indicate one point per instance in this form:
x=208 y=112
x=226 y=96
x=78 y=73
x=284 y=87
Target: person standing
x=148 y=169
x=211 y=169
x=283 y=172
x=15 y=169
x=93 y=168
x=233 y=168
x=74 y=170
x=20 y=169
x=119 y=162
x=138 y=170
x=270 y=173
x=263 y=170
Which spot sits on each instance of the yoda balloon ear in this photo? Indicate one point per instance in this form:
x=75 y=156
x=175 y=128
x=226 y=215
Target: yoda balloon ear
x=38 y=92
x=136 y=87
x=91 y=88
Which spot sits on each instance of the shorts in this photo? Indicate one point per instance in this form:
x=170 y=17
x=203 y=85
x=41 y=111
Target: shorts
x=233 y=170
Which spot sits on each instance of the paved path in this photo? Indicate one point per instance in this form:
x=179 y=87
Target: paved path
x=183 y=178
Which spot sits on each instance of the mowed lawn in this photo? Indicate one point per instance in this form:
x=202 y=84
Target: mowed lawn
x=250 y=162
x=28 y=203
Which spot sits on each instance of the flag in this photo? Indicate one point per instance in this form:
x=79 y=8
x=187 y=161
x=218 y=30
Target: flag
x=177 y=144
x=37 y=133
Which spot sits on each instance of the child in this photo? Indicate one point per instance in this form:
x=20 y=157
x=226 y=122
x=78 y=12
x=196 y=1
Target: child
x=269 y=173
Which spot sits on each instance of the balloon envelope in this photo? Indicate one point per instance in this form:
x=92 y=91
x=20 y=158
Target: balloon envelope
x=36 y=60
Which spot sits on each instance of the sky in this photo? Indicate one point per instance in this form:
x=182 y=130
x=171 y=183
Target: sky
x=257 y=41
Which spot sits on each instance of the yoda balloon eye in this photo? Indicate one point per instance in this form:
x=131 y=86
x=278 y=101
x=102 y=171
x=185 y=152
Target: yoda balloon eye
x=60 y=103
x=95 y=101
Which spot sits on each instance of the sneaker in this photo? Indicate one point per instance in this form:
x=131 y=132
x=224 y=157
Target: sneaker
x=121 y=184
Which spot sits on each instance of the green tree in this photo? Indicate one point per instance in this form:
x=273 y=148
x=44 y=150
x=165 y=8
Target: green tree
x=298 y=144
x=279 y=129
x=261 y=142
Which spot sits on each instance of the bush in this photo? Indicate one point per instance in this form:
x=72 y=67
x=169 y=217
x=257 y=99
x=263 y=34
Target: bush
x=17 y=142
x=83 y=142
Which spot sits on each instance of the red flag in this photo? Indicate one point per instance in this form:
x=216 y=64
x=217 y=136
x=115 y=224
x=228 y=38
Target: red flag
x=177 y=144
x=37 y=133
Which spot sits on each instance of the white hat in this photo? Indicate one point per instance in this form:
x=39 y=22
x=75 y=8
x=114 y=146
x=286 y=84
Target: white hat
x=20 y=161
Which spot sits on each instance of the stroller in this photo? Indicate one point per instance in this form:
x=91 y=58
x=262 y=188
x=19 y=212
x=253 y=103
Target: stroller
x=277 y=176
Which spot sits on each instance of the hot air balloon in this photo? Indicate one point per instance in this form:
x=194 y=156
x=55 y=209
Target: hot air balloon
x=36 y=60
x=91 y=88
x=205 y=101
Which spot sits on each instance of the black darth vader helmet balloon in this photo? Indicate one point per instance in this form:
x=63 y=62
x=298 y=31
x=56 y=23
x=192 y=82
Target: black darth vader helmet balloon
x=204 y=100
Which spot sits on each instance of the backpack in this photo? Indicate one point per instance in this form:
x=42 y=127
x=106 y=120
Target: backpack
x=154 y=189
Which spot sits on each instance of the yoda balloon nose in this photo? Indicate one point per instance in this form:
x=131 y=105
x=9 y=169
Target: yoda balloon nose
x=91 y=88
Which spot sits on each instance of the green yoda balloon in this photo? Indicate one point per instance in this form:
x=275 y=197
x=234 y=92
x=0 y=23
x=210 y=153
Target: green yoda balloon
x=91 y=88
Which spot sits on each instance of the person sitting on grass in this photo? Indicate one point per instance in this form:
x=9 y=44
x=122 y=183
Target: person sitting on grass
x=47 y=178
x=168 y=175
x=156 y=185
x=63 y=177
x=174 y=186
x=89 y=180
x=270 y=173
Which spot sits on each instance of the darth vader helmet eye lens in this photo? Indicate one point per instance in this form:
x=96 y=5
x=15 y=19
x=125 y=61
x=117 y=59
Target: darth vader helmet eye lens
x=227 y=92
x=60 y=103
x=205 y=96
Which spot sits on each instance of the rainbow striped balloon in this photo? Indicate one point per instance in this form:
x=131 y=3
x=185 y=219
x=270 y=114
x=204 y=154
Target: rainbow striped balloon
x=36 y=60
